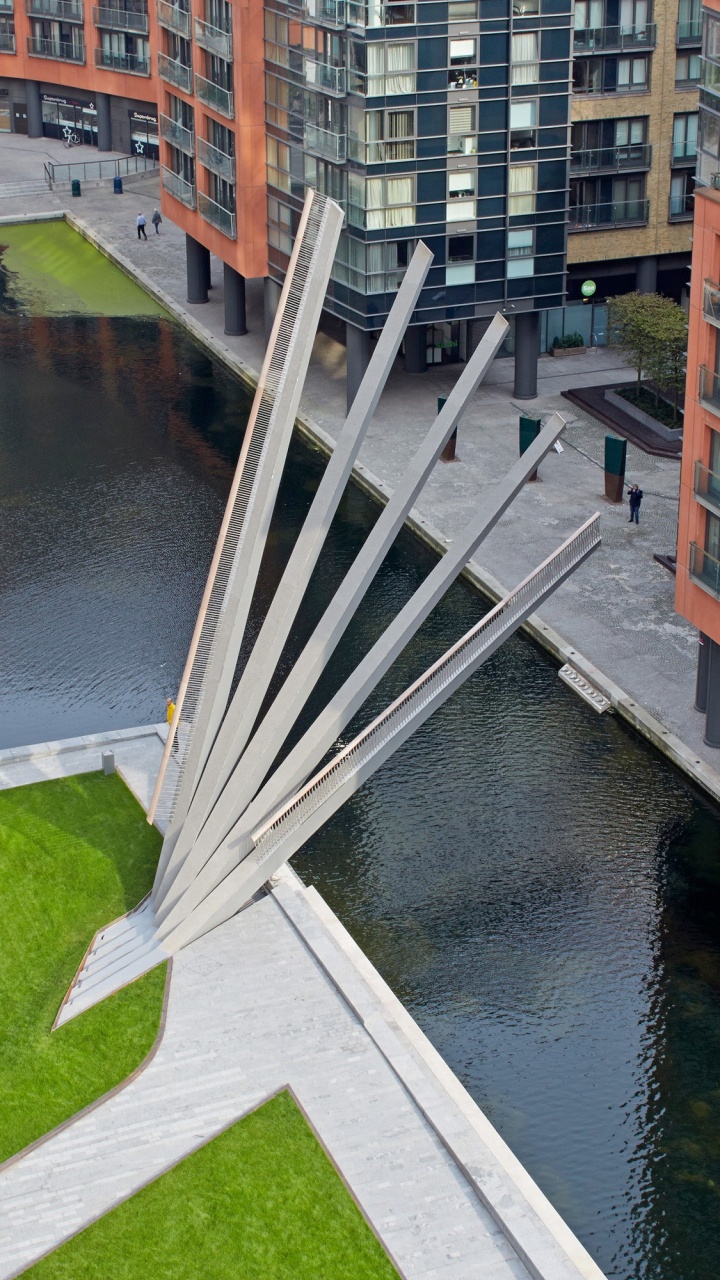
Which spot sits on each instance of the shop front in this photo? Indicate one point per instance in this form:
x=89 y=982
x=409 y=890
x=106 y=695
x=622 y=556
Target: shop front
x=144 y=135
x=66 y=117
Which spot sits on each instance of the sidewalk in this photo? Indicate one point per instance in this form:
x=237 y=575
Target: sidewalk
x=618 y=609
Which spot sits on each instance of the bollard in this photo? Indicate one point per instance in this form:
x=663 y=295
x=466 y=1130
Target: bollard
x=75 y=187
x=117 y=186
x=615 y=456
x=108 y=762
x=529 y=431
x=448 y=453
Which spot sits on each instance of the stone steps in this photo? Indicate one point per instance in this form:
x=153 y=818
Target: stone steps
x=9 y=189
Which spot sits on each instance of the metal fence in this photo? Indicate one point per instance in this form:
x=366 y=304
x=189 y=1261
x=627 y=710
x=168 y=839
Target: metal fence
x=89 y=170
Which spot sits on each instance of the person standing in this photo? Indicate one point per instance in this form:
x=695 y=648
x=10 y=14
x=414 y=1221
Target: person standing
x=635 y=495
x=170 y=712
x=156 y=220
x=141 y=227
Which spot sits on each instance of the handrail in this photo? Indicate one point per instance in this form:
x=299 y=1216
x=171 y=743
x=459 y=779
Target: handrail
x=99 y=169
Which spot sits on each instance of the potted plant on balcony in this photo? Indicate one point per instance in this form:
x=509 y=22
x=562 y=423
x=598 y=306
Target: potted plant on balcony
x=571 y=344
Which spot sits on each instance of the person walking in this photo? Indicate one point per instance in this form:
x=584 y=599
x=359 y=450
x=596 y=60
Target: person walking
x=635 y=496
x=156 y=220
x=170 y=712
x=141 y=227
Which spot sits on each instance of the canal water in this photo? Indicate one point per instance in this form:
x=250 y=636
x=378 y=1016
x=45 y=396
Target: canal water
x=538 y=887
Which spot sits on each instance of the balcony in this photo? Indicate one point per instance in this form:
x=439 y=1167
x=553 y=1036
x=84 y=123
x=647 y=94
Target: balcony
x=321 y=142
x=707 y=488
x=615 y=39
x=321 y=75
x=175 y=72
x=7 y=42
x=684 y=153
x=328 y=13
x=174 y=18
x=214 y=39
x=704 y=569
x=176 y=134
x=217 y=216
x=213 y=95
x=60 y=50
x=711 y=303
x=611 y=159
x=709 y=389
x=681 y=208
x=689 y=32
x=121 y=20
x=130 y=63
x=64 y=10
x=215 y=160
x=177 y=186
x=601 y=217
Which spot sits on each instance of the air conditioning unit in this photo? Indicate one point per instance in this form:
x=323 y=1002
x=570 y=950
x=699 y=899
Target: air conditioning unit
x=715 y=181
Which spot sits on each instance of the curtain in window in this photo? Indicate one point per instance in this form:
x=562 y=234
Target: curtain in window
x=401 y=211
x=400 y=68
x=374 y=203
x=525 y=67
x=375 y=69
x=522 y=189
x=375 y=271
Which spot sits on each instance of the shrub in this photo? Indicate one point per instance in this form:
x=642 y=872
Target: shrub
x=569 y=340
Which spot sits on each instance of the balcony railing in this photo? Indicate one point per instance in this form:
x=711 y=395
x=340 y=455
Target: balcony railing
x=709 y=389
x=681 y=208
x=329 y=79
x=215 y=160
x=176 y=134
x=711 y=302
x=121 y=20
x=707 y=487
x=605 y=39
x=215 y=214
x=689 y=32
x=331 y=146
x=213 y=95
x=329 y=13
x=632 y=156
x=64 y=10
x=175 y=72
x=684 y=152
x=178 y=187
x=6 y=6
x=61 y=50
x=704 y=569
x=173 y=17
x=214 y=39
x=7 y=42
x=129 y=62
x=617 y=213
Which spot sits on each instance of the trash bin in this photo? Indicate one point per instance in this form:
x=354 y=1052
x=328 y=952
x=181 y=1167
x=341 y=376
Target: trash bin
x=75 y=187
x=117 y=186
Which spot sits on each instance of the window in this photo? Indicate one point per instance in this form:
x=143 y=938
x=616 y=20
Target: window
x=521 y=197
x=391 y=69
x=633 y=17
x=371 y=268
x=461 y=10
x=587 y=75
x=523 y=121
x=710 y=134
x=685 y=136
x=461 y=196
x=390 y=135
x=632 y=74
x=278 y=160
x=390 y=202
x=460 y=267
x=524 y=56
x=462 y=53
x=681 y=195
x=462 y=130
x=589 y=15
x=687 y=68
x=280 y=226
x=630 y=132
x=520 y=261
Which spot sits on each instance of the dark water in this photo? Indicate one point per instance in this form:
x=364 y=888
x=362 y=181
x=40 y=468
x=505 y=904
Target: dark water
x=538 y=887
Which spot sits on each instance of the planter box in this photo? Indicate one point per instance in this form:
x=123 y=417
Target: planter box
x=667 y=433
x=560 y=352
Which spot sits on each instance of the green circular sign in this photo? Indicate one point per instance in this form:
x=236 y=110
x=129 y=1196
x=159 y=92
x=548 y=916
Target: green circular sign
x=588 y=288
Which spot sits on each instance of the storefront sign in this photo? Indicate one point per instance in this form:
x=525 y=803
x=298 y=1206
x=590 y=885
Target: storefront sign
x=588 y=288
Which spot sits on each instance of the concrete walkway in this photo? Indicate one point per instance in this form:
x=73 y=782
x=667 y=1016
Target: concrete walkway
x=618 y=611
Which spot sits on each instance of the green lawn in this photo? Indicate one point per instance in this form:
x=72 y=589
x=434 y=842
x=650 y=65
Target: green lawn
x=74 y=854
x=260 y=1202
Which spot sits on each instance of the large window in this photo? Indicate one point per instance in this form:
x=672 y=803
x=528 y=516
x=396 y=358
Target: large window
x=371 y=268
x=460 y=267
x=461 y=195
x=462 y=130
x=278 y=161
x=390 y=135
x=524 y=56
x=520 y=260
x=523 y=123
x=390 y=202
x=390 y=69
x=521 y=196
x=632 y=74
x=687 y=68
x=685 y=136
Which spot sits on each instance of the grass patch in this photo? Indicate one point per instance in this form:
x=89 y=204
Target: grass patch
x=659 y=409
x=74 y=854
x=259 y=1202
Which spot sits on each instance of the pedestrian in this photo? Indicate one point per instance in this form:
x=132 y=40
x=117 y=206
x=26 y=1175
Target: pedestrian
x=156 y=220
x=170 y=713
x=141 y=226
x=635 y=495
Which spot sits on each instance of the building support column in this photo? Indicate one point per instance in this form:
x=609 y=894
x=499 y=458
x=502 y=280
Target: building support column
x=34 y=109
x=234 y=293
x=703 y=667
x=197 y=258
x=527 y=350
x=357 y=346
x=646 y=275
x=416 y=349
x=271 y=299
x=102 y=102
x=712 y=710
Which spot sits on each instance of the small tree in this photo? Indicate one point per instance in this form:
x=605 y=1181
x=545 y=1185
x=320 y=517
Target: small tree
x=665 y=366
x=652 y=332
x=630 y=327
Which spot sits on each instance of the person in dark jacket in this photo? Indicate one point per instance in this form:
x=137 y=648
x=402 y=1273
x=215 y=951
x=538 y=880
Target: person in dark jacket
x=635 y=495
x=156 y=220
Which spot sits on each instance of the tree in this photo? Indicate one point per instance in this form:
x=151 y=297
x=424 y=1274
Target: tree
x=652 y=332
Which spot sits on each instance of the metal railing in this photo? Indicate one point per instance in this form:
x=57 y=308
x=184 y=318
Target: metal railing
x=707 y=487
x=680 y=208
x=175 y=72
x=61 y=50
x=322 y=142
x=689 y=32
x=704 y=569
x=684 y=152
x=121 y=20
x=98 y=169
x=215 y=160
x=7 y=42
x=214 y=39
x=330 y=13
x=711 y=302
x=616 y=213
x=64 y=10
x=177 y=186
x=176 y=134
x=431 y=690
x=603 y=39
x=323 y=76
x=129 y=62
x=220 y=217
x=215 y=96
x=631 y=156
x=709 y=388
x=172 y=16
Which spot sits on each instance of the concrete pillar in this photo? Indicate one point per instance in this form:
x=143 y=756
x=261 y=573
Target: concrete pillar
x=712 y=710
x=357 y=345
x=206 y=266
x=102 y=102
x=197 y=258
x=416 y=349
x=234 y=291
x=34 y=109
x=271 y=298
x=703 y=666
x=646 y=276
x=527 y=350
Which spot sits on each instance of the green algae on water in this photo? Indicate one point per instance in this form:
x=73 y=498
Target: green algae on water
x=51 y=270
